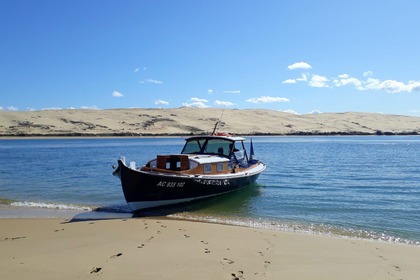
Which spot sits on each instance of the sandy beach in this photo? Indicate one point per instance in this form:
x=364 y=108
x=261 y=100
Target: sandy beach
x=186 y=121
x=154 y=248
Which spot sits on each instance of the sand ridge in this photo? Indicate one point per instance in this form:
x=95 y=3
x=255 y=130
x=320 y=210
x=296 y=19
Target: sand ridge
x=188 y=121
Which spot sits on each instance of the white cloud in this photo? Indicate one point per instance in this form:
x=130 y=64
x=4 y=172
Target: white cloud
x=117 y=94
x=303 y=78
x=367 y=73
x=369 y=83
x=153 y=81
x=415 y=85
x=345 y=80
x=396 y=86
x=51 y=108
x=315 y=112
x=161 y=102
x=136 y=70
x=94 y=107
x=196 y=99
x=150 y=81
x=390 y=86
x=299 y=65
x=290 y=81
x=210 y=91
x=318 y=81
x=267 y=99
x=232 y=91
x=12 y=108
x=291 y=112
x=224 y=103
x=197 y=103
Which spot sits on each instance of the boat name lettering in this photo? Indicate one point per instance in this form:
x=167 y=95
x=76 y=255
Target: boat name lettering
x=213 y=182
x=166 y=184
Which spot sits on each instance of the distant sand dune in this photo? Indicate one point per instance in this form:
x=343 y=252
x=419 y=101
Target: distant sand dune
x=187 y=121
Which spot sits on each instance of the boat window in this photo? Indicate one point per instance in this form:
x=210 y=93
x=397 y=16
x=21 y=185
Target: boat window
x=218 y=146
x=230 y=166
x=240 y=157
x=220 y=167
x=207 y=168
x=193 y=146
x=211 y=146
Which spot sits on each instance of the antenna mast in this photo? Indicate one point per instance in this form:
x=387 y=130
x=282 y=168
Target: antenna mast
x=217 y=125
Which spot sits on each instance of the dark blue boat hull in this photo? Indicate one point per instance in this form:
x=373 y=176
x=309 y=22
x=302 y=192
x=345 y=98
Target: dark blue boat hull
x=152 y=189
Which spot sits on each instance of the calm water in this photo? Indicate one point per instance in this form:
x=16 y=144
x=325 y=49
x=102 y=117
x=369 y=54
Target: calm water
x=366 y=187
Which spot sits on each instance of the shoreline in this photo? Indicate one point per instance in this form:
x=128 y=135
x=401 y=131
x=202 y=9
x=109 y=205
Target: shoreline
x=303 y=134
x=83 y=213
x=159 y=248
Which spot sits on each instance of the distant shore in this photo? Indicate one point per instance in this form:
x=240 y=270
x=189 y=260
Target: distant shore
x=196 y=121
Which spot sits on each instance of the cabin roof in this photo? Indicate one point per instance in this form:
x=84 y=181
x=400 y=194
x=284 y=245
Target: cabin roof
x=202 y=159
x=230 y=138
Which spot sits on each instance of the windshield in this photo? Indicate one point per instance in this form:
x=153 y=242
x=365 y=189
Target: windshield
x=208 y=146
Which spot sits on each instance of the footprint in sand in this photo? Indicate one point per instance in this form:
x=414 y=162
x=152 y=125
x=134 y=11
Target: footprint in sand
x=116 y=256
x=206 y=251
x=15 y=238
x=141 y=246
x=382 y=258
x=96 y=269
x=228 y=261
x=238 y=275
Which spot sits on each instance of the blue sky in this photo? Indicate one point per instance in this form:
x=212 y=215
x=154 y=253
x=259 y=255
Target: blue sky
x=296 y=56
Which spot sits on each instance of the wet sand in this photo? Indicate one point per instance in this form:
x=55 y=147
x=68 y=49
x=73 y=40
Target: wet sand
x=154 y=248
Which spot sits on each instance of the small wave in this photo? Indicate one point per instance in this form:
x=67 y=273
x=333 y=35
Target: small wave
x=46 y=205
x=6 y=201
x=300 y=228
